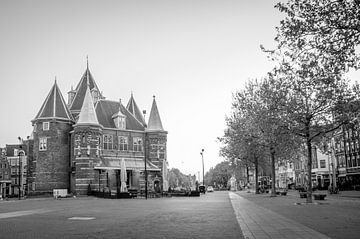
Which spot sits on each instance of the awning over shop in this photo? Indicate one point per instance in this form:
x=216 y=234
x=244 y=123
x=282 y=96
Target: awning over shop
x=130 y=163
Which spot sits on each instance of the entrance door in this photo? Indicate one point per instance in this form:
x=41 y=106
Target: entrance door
x=157 y=188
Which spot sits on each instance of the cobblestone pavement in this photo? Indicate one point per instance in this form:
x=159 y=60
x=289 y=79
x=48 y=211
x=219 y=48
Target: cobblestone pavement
x=208 y=216
x=338 y=216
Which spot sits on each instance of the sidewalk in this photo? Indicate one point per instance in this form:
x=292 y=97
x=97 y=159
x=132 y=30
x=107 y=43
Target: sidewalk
x=258 y=222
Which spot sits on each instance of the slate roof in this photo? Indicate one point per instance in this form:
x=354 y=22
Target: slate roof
x=134 y=109
x=54 y=106
x=87 y=114
x=80 y=89
x=154 y=118
x=106 y=109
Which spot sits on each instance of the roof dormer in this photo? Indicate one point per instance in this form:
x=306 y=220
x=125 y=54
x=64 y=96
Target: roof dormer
x=119 y=119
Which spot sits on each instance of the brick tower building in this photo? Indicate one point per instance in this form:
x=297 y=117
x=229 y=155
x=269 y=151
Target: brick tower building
x=79 y=145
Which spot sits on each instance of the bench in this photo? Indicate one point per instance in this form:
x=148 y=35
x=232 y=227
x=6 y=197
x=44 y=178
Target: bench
x=319 y=196
x=283 y=193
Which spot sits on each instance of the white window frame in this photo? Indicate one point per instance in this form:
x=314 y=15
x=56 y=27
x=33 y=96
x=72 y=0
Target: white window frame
x=120 y=122
x=46 y=126
x=42 y=144
x=137 y=147
x=108 y=141
x=322 y=163
x=123 y=143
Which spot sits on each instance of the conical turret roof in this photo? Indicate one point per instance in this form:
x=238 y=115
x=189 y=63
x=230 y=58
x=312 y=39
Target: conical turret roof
x=134 y=110
x=87 y=114
x=87 y=81
x=54 y=106
x=154 y=119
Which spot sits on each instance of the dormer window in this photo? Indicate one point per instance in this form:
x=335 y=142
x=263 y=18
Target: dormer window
x=120 y=121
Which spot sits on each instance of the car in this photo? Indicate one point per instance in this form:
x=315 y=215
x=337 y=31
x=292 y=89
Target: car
x=210 y=189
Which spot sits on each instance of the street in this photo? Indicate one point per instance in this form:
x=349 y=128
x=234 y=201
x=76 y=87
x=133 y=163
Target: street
x=208 y=216
x=220 y=214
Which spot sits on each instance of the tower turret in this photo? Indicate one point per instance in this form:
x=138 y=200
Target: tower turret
x=156 y=140
x=86 y=139
x=52 y=126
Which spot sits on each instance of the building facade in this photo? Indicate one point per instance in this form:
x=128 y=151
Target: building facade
x=5 y=175
x=78 y=145
x=321 y=170
x=347 y=154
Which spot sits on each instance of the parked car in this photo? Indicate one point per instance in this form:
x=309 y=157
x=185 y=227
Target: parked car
x=210 y=189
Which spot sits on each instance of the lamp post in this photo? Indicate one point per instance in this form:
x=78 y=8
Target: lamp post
x=202 y=158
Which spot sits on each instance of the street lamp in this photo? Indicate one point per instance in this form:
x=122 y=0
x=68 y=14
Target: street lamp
x=202 y=158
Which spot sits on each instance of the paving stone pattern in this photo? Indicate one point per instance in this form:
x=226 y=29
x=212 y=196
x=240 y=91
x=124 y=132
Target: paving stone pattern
x=258 y=222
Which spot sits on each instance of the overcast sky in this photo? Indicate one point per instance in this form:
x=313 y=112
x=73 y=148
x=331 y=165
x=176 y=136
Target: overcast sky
x=192 y=55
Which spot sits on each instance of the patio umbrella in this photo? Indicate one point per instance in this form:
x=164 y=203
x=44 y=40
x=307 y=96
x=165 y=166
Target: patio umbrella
x=164 y=176
x=123 y=176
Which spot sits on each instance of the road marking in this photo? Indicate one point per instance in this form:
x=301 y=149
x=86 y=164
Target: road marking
x=22 y=213
x=81 y=218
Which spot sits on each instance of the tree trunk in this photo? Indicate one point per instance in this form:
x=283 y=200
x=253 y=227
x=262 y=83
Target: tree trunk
x=256 y=176
x=247 y=175
x=309 y=164
x=273 y=190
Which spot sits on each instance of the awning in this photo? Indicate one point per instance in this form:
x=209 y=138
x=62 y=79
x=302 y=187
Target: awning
x=130 y=163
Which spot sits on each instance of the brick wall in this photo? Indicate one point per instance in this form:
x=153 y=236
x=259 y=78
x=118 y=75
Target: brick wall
x=51 y=166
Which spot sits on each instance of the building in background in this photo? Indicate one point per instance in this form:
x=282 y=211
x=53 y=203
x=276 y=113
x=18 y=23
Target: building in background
x=5 y=175
x=285 y=174
x=347 y=155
